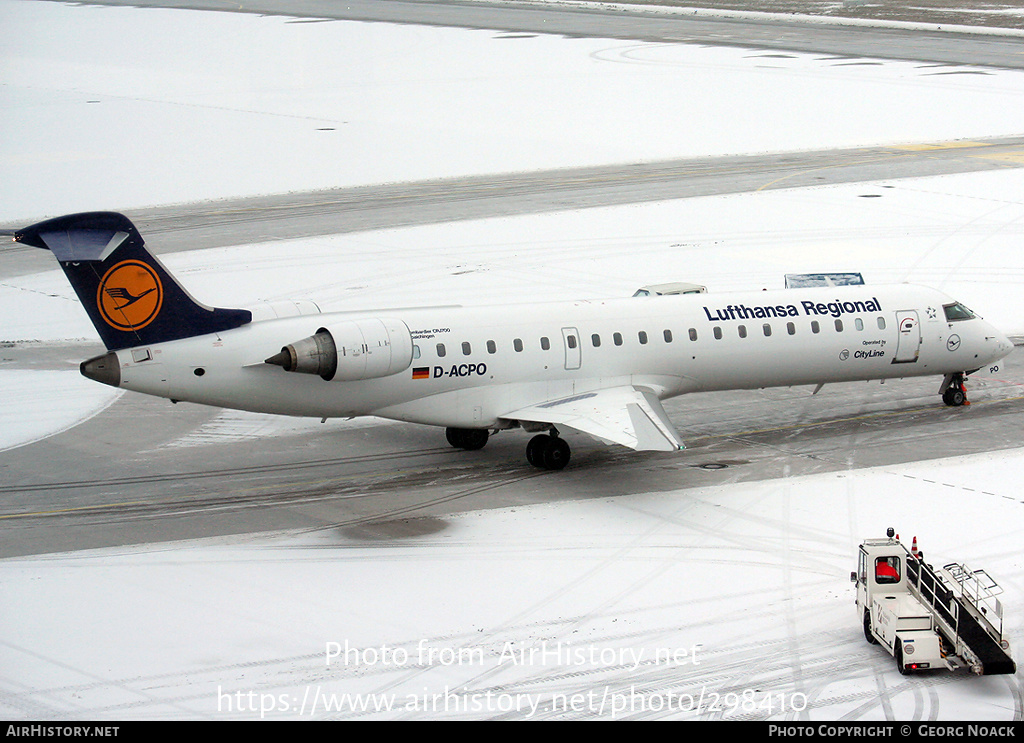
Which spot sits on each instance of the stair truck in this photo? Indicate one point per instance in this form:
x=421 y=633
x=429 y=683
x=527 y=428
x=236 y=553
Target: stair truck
x=946 y=619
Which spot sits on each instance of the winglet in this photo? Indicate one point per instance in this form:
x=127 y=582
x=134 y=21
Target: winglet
x=130 y=297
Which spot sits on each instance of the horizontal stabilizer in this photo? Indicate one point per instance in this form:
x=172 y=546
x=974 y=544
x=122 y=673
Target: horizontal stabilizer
x=621 y=415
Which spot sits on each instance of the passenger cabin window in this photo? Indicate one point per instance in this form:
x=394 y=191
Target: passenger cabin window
x=545 y=344
x=570 y=341
x=415 y=351
x=668 y=336
x=642 y=336
x=617 y=338
x=881 y=323
x=791 y=328
x=742 y=329
x=466 y=348
x=717 y=333
x=518 y=345
x=492 y=347
x=596 y=340
x=693 y=334
x=858 y=323
x=839 y=326
x=767 y=330
x=815 y=327
x=440 y=350
x=956 y=312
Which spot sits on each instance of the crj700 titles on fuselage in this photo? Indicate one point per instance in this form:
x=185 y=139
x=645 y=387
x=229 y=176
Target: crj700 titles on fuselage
x=598 y=366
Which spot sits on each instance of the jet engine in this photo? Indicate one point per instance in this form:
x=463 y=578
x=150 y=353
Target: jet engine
x=350 y=350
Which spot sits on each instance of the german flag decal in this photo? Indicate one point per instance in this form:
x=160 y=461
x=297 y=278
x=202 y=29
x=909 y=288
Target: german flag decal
x=421 y=372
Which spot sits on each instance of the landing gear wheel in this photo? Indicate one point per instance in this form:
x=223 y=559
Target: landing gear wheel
x=556 y=456
x=470 y=439
x=900 y=666
x=955 y=394
x=535 y=450
x=954 y=397
x=547 y=452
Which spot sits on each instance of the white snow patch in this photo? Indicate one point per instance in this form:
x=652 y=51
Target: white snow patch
x=740 y=589
x=118 y=108
x=37 y=404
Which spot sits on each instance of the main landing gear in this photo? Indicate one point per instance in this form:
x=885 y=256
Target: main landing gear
x=546 y=450
x=955 y=395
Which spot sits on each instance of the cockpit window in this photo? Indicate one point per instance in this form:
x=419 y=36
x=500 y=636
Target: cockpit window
x=957 y=311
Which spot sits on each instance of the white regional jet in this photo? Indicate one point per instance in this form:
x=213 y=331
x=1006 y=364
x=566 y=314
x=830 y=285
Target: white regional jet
x=598 y=366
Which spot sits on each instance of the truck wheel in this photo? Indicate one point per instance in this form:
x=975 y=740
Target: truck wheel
x=899 y=658
x=868 y=635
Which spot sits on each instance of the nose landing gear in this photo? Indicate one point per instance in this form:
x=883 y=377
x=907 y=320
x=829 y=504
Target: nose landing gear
x=955 y=394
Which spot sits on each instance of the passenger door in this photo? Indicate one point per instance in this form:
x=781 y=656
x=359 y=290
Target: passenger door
x=908 y=342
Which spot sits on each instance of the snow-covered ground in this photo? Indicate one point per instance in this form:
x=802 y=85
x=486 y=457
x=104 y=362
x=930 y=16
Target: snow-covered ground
x=113 y=108
x=714 y=603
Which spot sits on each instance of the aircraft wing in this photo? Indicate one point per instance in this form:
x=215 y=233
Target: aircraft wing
x=628 y=416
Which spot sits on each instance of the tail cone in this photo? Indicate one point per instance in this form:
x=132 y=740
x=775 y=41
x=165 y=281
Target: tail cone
x=105 y=369
x=283 y=359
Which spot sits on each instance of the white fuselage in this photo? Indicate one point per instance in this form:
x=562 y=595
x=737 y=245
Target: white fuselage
x=472 y=366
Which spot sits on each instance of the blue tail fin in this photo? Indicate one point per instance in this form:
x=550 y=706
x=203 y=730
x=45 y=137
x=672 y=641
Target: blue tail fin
x=130 y=297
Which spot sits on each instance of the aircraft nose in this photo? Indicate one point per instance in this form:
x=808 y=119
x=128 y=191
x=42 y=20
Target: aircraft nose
x=998 y=342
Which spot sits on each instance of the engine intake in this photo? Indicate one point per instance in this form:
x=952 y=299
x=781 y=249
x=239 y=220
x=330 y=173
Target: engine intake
x=351 y=350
